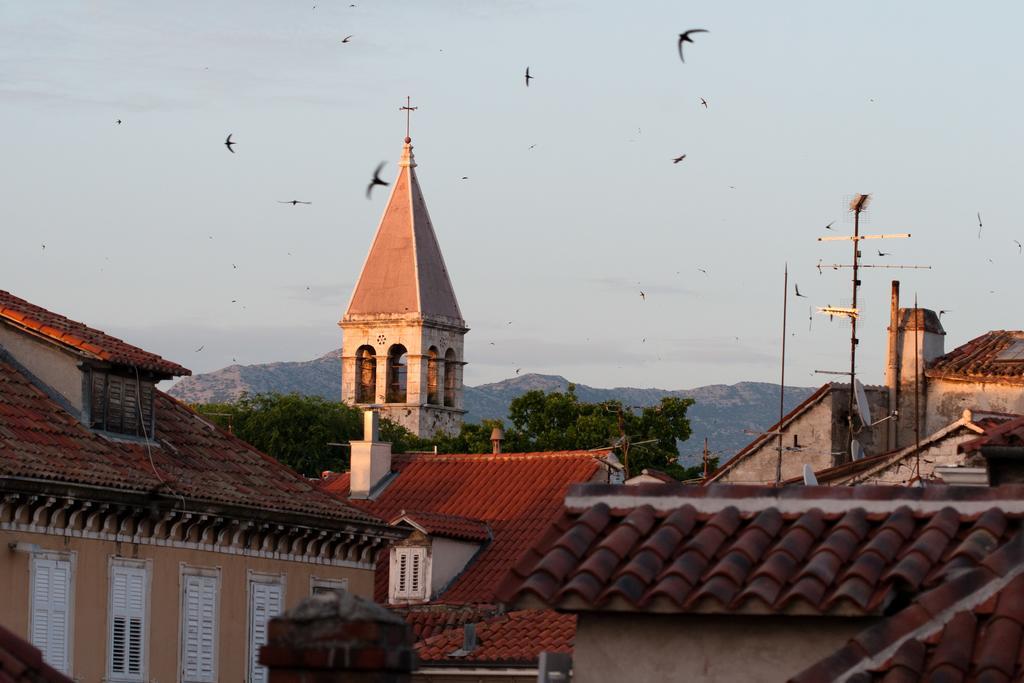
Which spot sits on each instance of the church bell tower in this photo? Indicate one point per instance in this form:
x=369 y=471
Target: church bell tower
x=402 y=348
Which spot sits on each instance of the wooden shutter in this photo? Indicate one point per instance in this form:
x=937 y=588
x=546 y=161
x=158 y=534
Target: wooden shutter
x=146 y=400
x=199 y=621
x=265 y=602
x=130 y=407
x=412 y=564
x=115 y=403
x=127 y=623
x=51 y=605
x=98 y=405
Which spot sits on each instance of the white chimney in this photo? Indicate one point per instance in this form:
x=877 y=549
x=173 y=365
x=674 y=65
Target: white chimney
x=371 y=459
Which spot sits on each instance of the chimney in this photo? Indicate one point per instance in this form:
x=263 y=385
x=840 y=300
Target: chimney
x=892 y=371
x=371 y=459
x=921 y=341
x=497 y=436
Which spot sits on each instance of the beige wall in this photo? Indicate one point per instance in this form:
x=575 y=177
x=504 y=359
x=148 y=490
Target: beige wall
x=53 y=367
x=947 y=399
x=653 y=648
x=90 y=590
x=942 y=454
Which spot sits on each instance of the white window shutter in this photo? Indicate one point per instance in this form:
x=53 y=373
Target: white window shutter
x=199 y=644
x=265 y=603
x=127 y=623
x=411 y=567
x=51 y=605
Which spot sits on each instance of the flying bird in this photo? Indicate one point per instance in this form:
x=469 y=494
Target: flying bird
x=642 y=295
x=528 y=77
x=810 y=318
x=1019 y=248
x=797 y=288
x=678 y=159
x=704 y=102
x=685 y=38
x=376 y=180
x=979 y=225
x=943 y=312
x=119 y=122
x=200 y=348
x=517 y=370
x=293 y=202
x=532 y=146
x=829 y=226
x=703 y=271
x=884 y=253
x=228 y=143
x=346 y=39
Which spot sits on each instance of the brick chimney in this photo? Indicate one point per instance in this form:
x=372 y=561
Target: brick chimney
x=371 y=459
x=497 y=436
x=336 y=636
x=921 y=340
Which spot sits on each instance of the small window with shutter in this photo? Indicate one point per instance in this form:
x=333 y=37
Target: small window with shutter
x=128 y=621
x=122 y=405
x=200 y=611
x=320 y=586
x=50 y=619
x=409 y=574
x=266 y=601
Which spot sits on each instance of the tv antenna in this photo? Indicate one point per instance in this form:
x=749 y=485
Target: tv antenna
x=857 y=205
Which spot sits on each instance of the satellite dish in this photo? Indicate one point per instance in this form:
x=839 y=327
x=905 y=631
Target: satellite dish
x=862 y=402
x=856 y=450
x=809 y=478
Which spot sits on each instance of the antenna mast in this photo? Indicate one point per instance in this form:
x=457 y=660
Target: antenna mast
x=782 y=381
x=857 y=206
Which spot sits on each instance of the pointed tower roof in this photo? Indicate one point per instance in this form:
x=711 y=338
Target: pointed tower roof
x=404 y=273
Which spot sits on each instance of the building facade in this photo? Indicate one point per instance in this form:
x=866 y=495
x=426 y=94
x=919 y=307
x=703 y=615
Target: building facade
x=402 y=347
x=138 y=542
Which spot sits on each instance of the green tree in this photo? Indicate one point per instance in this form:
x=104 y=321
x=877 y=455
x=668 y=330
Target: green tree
x=298 y=430
x=643 y=438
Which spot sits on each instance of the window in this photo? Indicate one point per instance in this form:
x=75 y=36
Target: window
x=123 y=405
x=408 y=574
x=318 y=586
x=50 y=625
x=397 y=374
x=366 y=375
x=1014 y=353
x=433 y=390
x=449 y=378
x=129 y=620
x=266 y=601
x=199 y=625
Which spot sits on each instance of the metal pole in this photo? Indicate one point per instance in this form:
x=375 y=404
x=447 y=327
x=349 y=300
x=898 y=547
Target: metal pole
x=853 y=327
x=782 y=381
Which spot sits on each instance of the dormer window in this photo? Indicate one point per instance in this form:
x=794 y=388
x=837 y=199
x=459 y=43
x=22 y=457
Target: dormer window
x=408 y=574
x=122 y=405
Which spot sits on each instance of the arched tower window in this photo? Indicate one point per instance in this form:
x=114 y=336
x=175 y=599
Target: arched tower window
x=366 y=374
x=433 y=387
x=449 y=378
x=397 y=374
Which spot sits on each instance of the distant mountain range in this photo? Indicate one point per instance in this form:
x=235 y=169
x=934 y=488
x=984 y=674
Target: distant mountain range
x=723 y=413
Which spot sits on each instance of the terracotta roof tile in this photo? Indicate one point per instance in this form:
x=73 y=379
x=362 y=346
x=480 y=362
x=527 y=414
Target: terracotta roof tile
x=1007 y=434
x=518 y=496
x=979 y=359
x=811 y=550
x=20 y=662
x=968 y=628
x=448 y=526
x=189 y=457
x=516 y=638
x=81 y=338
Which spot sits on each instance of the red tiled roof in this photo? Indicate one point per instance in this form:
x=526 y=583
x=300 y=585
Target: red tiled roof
x=978 y=360
x=757 y=549
x=1008 y=434
x=449 y=526
x=516 y=494
x=190 y=457
x=81 y=338
x=20 y=662
x=433 y=619
x=767 y=435
x=513 y=638
x=969 y=629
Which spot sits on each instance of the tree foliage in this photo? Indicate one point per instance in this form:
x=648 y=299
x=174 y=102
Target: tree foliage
x=298 y=430
x=644 y=438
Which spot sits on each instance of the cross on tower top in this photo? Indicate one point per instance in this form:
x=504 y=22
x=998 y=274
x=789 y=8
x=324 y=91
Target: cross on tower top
x=408 y=109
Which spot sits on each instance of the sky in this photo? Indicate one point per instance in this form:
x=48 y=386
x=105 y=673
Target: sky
x=154 y=232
